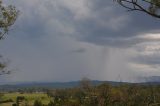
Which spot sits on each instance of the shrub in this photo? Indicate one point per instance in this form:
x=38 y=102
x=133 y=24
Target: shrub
x=51 y=103
x=37 y=103
x=14 y=104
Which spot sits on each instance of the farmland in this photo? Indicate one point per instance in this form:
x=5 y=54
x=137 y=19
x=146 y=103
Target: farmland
x=86 y=94
x=29 y=98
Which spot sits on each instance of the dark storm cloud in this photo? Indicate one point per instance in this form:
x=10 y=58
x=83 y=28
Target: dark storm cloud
x=106 y=23
x=110 y=24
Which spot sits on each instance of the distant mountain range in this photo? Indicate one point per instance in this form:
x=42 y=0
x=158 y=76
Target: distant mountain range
x=10 y=87
x=155 y=80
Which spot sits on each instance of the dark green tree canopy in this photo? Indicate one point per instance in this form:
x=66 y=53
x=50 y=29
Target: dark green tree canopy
x=151 y=7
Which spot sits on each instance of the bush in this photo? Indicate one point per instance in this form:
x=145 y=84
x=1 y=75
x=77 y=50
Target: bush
x=6 y=101
x=51 y=103
x=37 y=103
x=14 y=104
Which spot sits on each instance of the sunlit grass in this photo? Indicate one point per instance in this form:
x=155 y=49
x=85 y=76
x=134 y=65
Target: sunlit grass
x=30 y=98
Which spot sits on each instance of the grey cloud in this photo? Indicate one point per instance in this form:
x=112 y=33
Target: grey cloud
x=106 y=22
x=148 y=60
x=146 y=54
x=49 y=29
x=100 y=27
x=81 y=50
x=121 y=42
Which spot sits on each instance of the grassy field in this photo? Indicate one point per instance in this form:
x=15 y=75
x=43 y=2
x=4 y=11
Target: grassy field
x=30 y=98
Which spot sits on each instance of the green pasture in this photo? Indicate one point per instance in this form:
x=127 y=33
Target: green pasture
x=29 y=98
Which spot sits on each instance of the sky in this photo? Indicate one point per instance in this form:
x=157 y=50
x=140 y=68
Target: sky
x=66 y=40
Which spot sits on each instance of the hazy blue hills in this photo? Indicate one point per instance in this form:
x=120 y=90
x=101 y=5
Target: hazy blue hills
x=154 y=80
x=50 y=85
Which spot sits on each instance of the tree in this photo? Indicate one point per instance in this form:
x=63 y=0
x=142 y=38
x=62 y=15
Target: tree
x=8 y=16
x=151 y=7
x=85 y=84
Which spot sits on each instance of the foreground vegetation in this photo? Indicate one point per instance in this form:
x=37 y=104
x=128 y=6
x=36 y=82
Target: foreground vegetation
x=88 y=95
x=107 y=95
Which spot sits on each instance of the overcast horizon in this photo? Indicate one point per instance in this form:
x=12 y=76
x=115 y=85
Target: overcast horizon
x=66 y=40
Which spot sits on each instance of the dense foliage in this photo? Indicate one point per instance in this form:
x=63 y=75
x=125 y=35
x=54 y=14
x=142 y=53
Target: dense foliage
x=107 y=95
x=122 y=94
